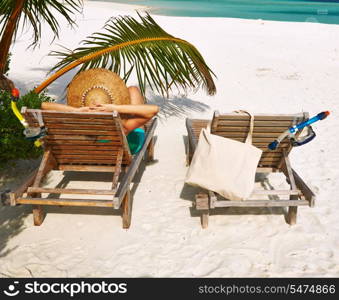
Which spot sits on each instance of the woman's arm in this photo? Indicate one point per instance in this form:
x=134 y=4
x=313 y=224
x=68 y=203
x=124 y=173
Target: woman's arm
x=140 y=114
x=143 y=110
x=62 y=107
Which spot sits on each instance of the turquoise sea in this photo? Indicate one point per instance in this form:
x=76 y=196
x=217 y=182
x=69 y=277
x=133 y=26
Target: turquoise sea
x=278 y=10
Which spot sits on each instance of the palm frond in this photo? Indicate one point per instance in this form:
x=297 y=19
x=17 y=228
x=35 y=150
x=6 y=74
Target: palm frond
x=160 y=60
x=37 y=12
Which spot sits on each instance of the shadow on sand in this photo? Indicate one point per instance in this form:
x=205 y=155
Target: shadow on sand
x=95 y=176
x=188 y=192
x=9 y=228
x=176 y=106
x=87 y=177
x=12 y=219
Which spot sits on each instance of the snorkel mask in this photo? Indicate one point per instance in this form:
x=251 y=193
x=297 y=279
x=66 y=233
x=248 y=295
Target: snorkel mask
x=291 y=132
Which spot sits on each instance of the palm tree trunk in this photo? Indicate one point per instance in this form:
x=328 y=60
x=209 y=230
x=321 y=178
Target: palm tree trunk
x=7 y=36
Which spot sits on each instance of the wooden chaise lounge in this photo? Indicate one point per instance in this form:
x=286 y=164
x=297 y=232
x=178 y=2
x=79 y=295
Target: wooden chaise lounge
x=87 y=142
x=266 y=129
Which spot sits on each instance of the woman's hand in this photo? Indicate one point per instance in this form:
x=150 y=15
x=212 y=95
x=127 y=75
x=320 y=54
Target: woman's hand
x=83 y=109
x=103 y=107
x=95 y=108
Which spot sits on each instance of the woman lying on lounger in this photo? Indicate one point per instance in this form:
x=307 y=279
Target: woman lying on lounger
x=133 y=116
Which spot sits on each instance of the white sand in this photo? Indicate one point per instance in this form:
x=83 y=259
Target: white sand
x=262 y=66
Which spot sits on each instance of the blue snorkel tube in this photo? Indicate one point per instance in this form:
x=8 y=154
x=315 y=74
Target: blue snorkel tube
x=290 y=132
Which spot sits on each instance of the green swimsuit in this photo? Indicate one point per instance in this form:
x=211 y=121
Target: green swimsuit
x=136 y=139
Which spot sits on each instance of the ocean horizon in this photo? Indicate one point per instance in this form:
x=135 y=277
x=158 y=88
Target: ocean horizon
x=276 y=10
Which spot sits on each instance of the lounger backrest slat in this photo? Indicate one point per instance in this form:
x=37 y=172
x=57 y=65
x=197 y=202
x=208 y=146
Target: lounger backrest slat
x=82 y=138
x=266 y=129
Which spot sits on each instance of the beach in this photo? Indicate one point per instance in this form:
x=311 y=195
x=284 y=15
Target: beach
x=261 y=66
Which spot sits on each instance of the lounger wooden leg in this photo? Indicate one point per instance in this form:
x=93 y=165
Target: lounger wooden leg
x=292 y=212
x=38 y=215
x=23 y=188
x=291 y=217
x=48 y=163
x=126 y=210
x=204 y=219
x=202 y=205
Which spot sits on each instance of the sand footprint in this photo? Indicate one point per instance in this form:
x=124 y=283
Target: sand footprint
x=261 y=72
x=296 y=253
x=42 y=260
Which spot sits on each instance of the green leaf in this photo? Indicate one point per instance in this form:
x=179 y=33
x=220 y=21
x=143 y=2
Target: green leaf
x=38 y=12
x=127 y=45
x=13 y=144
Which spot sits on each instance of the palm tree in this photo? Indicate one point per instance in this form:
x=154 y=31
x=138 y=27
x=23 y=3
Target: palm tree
x=34 y=13
x=160 y=60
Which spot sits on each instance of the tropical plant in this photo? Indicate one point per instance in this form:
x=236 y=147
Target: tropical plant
x=160 y=60
x=34 y=13
x=13 y=144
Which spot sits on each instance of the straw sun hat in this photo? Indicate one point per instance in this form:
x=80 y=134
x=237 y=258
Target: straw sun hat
x=100 y=85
